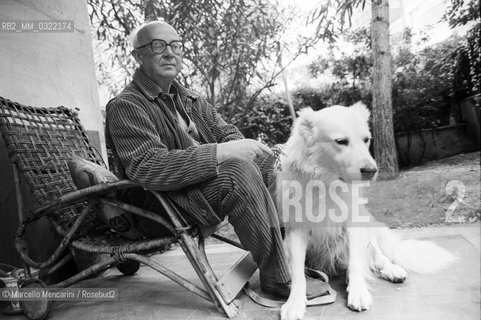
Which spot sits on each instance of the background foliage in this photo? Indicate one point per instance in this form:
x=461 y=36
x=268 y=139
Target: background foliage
x=423 y=90
x=231 y=47
x=233 y=50
x=468 y=61
x=423 y=85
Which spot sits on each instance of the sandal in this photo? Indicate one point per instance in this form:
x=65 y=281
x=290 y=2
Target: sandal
x=319 y=292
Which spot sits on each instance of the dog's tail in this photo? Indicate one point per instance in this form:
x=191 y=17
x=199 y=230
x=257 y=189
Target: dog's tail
x=415 y=255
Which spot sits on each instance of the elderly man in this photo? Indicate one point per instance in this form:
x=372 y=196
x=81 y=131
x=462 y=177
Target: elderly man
x=169 y=139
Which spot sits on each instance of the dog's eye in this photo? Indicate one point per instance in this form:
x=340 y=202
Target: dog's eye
x=343 y=142
x=366 y=140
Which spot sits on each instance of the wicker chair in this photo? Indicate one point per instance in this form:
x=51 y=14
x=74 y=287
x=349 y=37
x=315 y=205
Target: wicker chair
x=40 y=141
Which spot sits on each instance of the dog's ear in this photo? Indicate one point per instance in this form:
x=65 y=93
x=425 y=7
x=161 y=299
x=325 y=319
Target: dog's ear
x=362 y=110
x=304 y=122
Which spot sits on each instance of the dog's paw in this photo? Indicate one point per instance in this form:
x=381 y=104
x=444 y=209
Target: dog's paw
x=294 y=308
x=393 y=273
x=358 y=298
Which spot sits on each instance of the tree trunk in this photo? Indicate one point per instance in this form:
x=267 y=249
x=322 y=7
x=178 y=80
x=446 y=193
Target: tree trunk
x=382 y=119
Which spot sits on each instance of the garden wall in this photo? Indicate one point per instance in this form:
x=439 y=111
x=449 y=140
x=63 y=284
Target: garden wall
x=471 y=115
x=432 y=144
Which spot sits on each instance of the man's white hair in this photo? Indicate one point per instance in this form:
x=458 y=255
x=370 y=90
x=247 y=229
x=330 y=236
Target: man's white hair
x=134 y=40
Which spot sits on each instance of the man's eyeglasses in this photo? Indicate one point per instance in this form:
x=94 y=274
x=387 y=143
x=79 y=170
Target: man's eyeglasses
x=159 y=46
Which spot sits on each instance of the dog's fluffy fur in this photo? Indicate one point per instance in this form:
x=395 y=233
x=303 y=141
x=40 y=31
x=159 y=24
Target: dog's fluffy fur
x=332 y=146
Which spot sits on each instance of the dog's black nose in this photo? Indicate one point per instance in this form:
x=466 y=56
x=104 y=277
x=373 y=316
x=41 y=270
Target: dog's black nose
x=368 y=173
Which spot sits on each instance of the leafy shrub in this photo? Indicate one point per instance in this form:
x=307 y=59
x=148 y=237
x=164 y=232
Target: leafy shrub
x=423 y=95
x=339 y=93
x=467 y=69
x=268 y=120
x=423 y=86
x=309 y=97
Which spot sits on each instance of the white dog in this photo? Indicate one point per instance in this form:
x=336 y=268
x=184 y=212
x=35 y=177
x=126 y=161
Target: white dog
x=326 y=163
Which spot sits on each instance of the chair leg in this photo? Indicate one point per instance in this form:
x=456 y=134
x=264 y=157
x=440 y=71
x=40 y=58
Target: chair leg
x=201 y=243
x=169 y=274
x=206 y=275
x=201 y=246
x=96 y=268
x=200 y=264
x=57 y=266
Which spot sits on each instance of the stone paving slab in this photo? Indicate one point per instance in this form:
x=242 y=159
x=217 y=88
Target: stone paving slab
x=453 y=294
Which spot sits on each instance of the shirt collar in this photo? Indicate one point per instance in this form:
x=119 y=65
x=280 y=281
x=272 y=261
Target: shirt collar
x=151 y=90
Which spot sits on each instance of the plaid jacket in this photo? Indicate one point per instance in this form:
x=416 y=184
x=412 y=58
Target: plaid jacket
x=156 y=152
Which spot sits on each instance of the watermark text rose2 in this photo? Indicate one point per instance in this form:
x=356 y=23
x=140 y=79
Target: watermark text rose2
x=315 y=202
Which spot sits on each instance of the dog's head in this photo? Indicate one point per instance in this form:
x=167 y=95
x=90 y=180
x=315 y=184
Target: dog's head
x=333 y=142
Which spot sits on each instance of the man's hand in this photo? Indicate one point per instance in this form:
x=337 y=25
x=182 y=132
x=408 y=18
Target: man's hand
x=246 y=148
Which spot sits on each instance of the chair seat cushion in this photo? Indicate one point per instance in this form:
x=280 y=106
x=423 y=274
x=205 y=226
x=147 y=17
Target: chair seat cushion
x=112 y=242
x=84 y=174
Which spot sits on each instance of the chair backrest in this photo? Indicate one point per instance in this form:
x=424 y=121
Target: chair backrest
x=40 y=141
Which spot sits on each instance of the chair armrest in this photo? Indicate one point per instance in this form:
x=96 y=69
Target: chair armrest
x=91 y=195
x=22 y=248
x=95 y=191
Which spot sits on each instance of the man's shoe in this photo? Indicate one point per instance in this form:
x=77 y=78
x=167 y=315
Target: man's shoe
x=315 y=287
x=270 y=285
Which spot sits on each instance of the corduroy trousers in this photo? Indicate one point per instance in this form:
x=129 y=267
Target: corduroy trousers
x=240 y=192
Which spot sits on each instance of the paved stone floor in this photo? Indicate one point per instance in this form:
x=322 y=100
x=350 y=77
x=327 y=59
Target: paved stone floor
x=454 y=294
